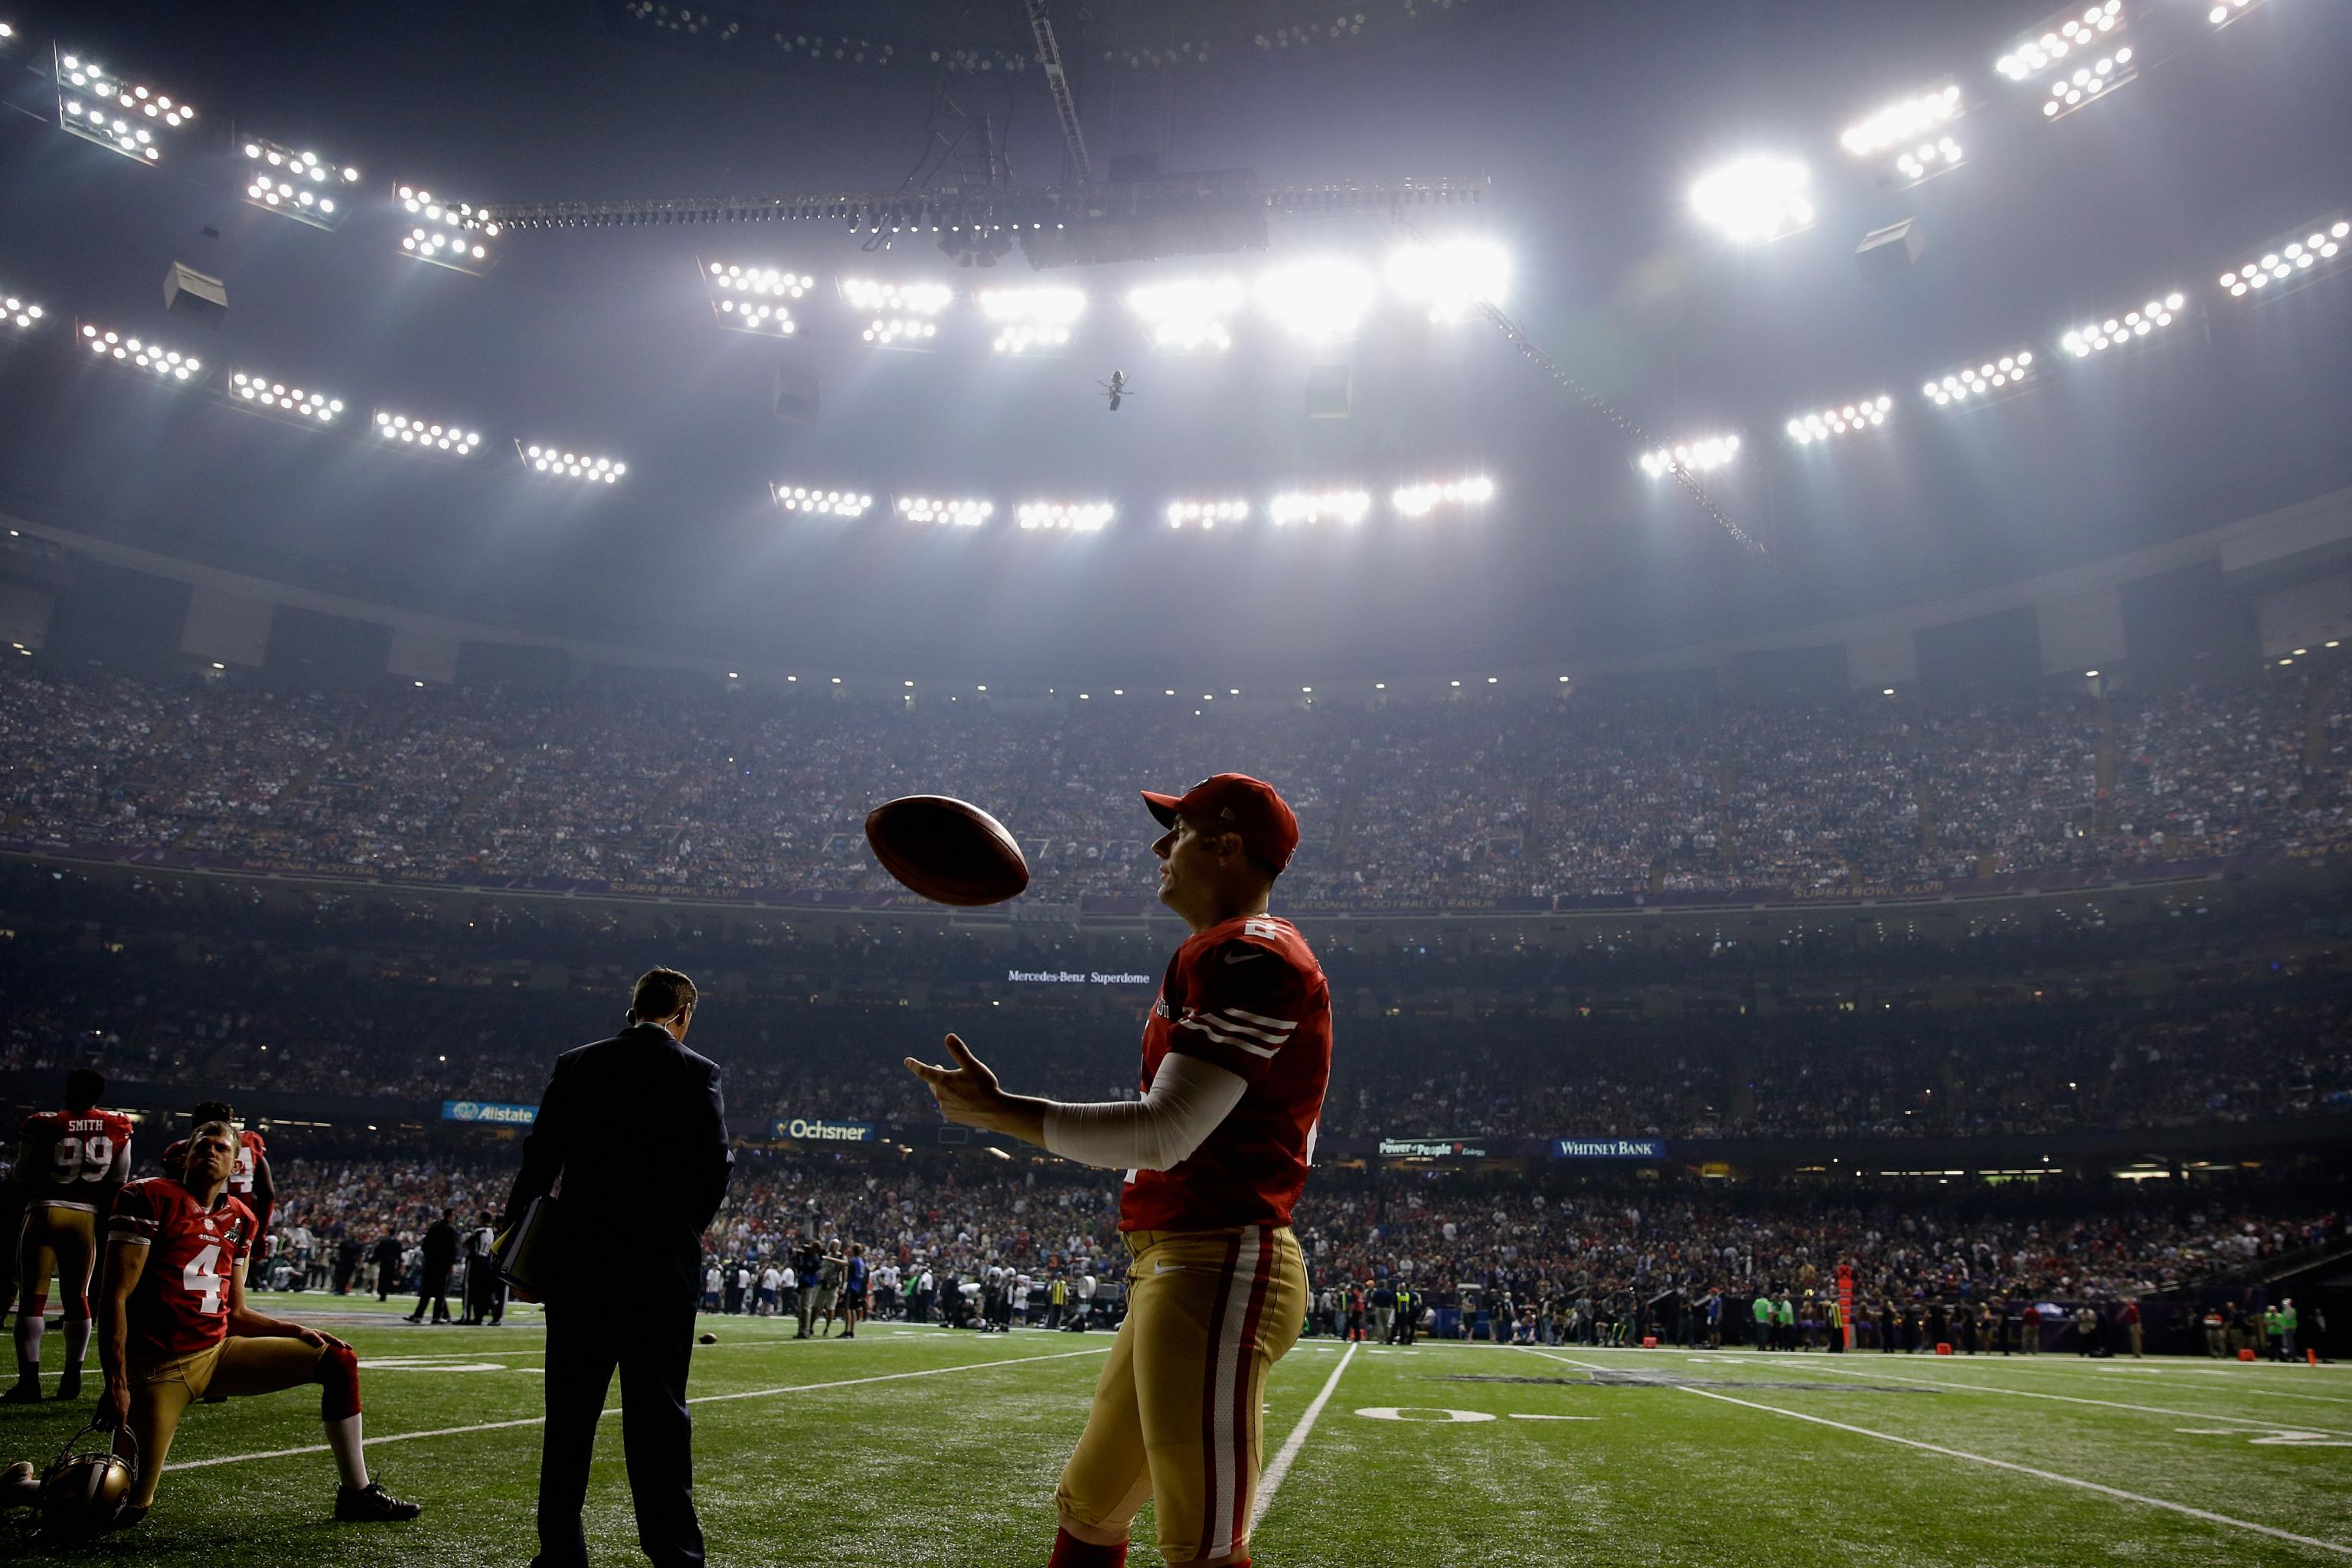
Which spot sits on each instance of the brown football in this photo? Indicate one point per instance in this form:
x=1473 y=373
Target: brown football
x=949 y=851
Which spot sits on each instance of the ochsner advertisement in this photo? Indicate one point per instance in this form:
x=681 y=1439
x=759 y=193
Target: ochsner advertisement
x=812 y=1130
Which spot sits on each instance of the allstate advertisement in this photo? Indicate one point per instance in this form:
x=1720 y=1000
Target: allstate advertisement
x=815 y=1129
x=1608 y=1149
x=496 y=1115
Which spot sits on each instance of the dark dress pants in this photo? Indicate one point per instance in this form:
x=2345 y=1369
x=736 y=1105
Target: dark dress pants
x=585 y=1344
x=434 y=1294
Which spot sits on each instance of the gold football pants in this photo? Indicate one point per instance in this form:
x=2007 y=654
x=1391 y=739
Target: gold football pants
x=162 y=1391
x=60 y=1238
x=1177 y=1413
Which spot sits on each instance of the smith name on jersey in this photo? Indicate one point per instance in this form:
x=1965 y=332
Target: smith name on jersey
x=1245 y=995
x=70 y=1156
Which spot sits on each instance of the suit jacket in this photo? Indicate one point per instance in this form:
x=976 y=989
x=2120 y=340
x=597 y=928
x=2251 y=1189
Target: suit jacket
x=441 y=1245
x=635 y=1128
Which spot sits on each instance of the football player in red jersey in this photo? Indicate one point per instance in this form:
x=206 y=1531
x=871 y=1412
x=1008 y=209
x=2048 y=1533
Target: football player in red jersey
x=249 y=1184
x=177 y=1327
x=1236 y=1053
x=70 y=1164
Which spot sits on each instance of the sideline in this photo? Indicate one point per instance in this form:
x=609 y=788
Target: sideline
x=1271 y=1482
x=614 y=1409
x=2117 y=1493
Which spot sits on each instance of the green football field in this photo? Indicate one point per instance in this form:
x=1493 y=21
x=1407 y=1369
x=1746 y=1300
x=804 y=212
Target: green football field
x=912 y=1446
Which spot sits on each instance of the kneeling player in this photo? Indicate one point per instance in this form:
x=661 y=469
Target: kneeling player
x=175 y=1326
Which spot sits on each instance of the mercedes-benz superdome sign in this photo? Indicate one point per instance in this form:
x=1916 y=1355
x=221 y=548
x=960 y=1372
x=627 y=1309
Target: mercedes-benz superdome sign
x=815 y=1129
x=481 y=1110
x=1073 y=977
x=1608 y=1149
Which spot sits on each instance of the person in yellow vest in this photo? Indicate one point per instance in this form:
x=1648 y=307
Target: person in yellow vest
x=1057 y=1298
x=1837 y=1325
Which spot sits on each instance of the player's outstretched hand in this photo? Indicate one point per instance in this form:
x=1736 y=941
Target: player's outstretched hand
x=967 y=1093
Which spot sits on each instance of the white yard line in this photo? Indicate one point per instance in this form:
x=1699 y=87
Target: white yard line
x=613 y=1409
x=2052 y=1475
x=1824 y=1363
x=1272 y=1480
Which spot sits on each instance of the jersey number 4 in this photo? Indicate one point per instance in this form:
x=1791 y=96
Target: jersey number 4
x=203 y=1279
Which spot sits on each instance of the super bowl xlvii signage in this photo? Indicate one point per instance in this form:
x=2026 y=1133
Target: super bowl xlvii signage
x=1432 y=1149
x=496 y=1115
x=811 y=1130
x=1608 y=1149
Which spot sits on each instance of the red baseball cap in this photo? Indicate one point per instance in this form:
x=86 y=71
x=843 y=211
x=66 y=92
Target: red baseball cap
x=1248 y=806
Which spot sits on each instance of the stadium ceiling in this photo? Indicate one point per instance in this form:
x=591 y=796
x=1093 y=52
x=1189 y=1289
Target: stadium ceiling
x=1581 y=131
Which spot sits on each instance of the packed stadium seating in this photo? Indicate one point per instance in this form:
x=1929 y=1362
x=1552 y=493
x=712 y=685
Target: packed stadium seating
x=1401 y=805
x=161 y=985
x=1615 y=1246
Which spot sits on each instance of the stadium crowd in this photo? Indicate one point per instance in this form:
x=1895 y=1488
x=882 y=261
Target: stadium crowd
x=1590 y=1261
x=1407 y=804
x=2235 y=1052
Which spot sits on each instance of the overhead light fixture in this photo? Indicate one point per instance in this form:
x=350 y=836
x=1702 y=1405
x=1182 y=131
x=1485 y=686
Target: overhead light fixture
x=19 y=312
x=454 y=235
x=260 y=395
x=1189 y=315
x=1420 y=500
x=559 y=462
x=294 y=184
x=1756 y=200
x=1928 y=159
x=1916 y=131
x=2286 y=263
x=394 y=429
x=1451 y=279
x=1690 y=457
x=2082 y=54
x=1084 y=517
x=2224 y=12
x=2119 y=332
x=1033 y=319
x=824 y=503
x=1206 y=514
x=1974 y=384
x=1319 y=506
x=1903 y=121
x=1846 y=419
x=958 y=512
x=901 y=314
x=1318 y=300
x=754 y=299
x=126 y=352
x=125 y=117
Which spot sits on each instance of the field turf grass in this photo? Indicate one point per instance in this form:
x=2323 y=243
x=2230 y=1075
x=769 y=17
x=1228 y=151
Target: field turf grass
x=912 y=1447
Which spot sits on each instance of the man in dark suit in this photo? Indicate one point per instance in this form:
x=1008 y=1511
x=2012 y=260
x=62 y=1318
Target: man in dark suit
x=634 y=1128
x=387 y=1265
x=440 y=1257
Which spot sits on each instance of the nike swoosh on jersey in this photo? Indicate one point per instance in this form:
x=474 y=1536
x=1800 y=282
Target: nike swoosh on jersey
x=1245 y=957
x=1161 y=1266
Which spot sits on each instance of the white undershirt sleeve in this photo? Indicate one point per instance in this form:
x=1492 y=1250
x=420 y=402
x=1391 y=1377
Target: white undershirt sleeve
x=1187 y=1100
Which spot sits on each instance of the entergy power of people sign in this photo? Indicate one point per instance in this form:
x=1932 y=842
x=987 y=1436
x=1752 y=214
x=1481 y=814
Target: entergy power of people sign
x=1608 y=1149
x=495 y=1115
x=815 y=1129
